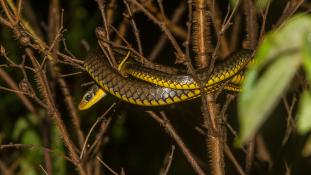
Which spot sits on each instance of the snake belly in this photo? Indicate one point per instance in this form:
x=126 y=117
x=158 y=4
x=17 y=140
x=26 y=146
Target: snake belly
x=132 y=90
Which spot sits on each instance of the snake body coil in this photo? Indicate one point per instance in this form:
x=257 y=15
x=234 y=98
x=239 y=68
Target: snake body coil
x=222 y=71
x=174 y=87
x=130 y=90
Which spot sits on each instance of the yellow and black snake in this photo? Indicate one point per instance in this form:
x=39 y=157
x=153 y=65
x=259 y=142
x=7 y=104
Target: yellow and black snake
x=222 y=71
x=161 y=85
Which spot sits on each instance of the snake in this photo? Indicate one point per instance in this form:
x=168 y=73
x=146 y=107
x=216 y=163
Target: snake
x=146 y=94
x=222 y=71
x=174 y=78
x=156 y=88
x=95 y=93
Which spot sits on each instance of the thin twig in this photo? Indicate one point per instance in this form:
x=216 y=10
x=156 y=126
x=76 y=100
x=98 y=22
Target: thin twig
x=44 y=171
x=92 y=128
x=30 y=146
x=135 y=29
x=16 y=90
x=176 y=29
x=167 y=162
x=249 y=156
x=289 y=10
x=105 y=165
x=262 y=152
x=233 y=160
x=110 y=10
x=5 y=22
x=101 y=7
x=216 y=17
x=7 y=11
x=99 y=139
x=235 y=32
x=161 y=42
x=290 y=123
x=180 y=54
x=165 y=123
x=264 y=20
x=71 y=74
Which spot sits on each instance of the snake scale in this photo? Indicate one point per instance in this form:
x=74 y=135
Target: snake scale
x=161 y=85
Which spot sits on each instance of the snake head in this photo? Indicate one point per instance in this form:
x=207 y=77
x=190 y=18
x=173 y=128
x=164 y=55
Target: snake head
x=92 y=96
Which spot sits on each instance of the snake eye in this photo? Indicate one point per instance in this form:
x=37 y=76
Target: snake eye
x=88 y=97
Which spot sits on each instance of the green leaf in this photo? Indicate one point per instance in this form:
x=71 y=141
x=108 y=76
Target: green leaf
x=277 y=60
x=31 y=137
x=288 y=38
x=20 y=125
x=266 y=94
x=304 y=114
x=307 y=55
x=28 y=168
x=304 y=110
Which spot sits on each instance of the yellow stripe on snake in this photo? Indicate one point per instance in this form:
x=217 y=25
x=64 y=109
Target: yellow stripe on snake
x=155 y=85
